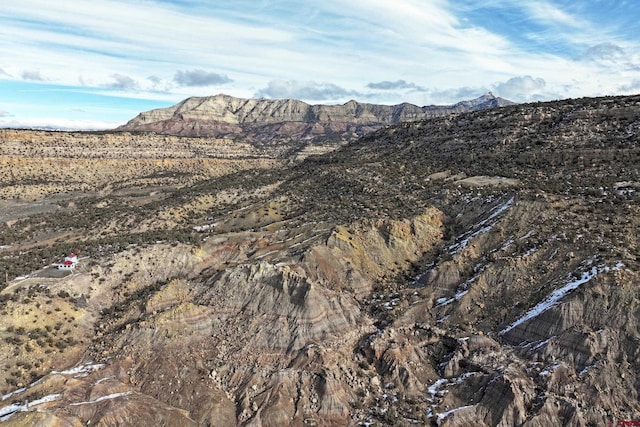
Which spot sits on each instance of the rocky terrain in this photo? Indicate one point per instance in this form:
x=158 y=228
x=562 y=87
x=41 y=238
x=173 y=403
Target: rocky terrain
x=288 y=122
x=36 y=164
x=472 y=269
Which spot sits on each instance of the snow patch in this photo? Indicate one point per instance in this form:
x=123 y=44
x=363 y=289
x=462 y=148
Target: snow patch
x=444 y=319
x=18 y=391
x=467 y=237
x=419 y=277
x=549 y=370
x=267 y=254
x=8 y=411
x=506 y=245
x=315 y=236
x=558 y=294
x=440 y=417
x=529 y=234
x=588 y=368
x=463 y=290
x=460 y=294
x=434 y=389
x=84 y=370
x=542 y=344
x=101 y=398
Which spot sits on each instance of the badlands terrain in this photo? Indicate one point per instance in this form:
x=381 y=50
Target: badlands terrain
x=245 y=263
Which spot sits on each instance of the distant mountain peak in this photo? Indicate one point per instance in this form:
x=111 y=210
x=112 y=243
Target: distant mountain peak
x=225 y=116
x=486 y=101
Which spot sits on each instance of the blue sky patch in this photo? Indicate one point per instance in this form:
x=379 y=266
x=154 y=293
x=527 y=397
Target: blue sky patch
x=97 y=64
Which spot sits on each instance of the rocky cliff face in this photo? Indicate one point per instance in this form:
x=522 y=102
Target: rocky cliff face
x=476 y=269
x=267 y=120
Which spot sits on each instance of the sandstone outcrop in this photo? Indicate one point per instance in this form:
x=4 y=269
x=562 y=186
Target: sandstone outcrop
x=264 y=120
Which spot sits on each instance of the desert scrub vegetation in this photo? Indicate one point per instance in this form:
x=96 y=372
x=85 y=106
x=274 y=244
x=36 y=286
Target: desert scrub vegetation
x=580 y=149
x=37 y=257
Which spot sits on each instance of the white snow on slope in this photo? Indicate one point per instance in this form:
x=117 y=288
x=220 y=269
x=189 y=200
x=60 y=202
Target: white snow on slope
x=467 y=237
x=462 y=289
x=549 y=370
x=81 y=369
x=558 y=294
x=8 y=411
x=78 y=372
x=434 y=388
x=101 y=398
x=442 y=416
x=18 y=391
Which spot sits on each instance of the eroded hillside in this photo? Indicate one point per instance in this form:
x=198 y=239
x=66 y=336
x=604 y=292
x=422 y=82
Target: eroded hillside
x=479 y=269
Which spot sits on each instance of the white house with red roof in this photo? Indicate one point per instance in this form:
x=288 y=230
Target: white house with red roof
x=69 y=262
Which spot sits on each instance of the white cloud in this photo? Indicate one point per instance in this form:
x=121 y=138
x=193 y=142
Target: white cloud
x=122 y=82
x=398 y=84
x=605 y=51
x=308 y=91
x=419 y=51
x=548 y=13
x=32 y=75
x=522 y=88
x=453 y=95
x=125 y=38
x=631 y=87
x=430 y=26
x=200 y=78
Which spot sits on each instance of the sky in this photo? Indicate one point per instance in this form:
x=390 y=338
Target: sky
x=77 y=64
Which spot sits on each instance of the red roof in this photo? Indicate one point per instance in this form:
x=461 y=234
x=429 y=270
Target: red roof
x=67 y=262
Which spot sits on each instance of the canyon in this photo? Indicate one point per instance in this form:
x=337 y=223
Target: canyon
x=263 y=263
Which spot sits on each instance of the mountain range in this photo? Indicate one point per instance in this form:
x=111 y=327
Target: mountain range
x=267 y=120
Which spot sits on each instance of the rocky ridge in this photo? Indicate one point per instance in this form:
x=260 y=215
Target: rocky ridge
x=268 y=121
x=477 y=269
